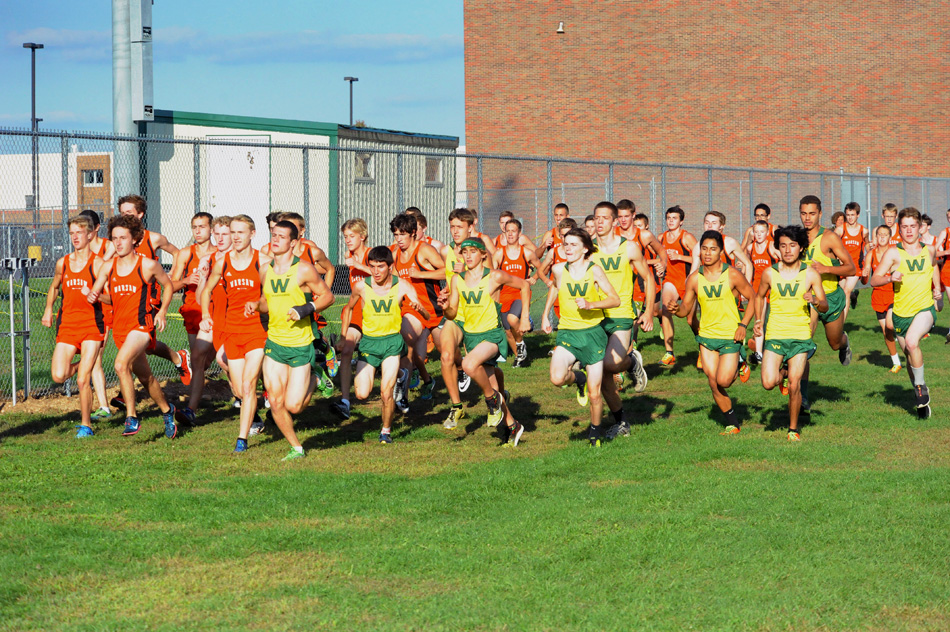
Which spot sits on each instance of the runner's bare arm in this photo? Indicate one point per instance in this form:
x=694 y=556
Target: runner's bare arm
x=552 y=296
x=650 y=241
x=885 y=273
x=153 y=271
x=817 y=292
x=407 y=292
x=160 y=242
x=213 y=278
x=53 y=292
x=684 y=307
x=323 y=265
x=434 y=269
x=612 y=299
x=451 y=309
x=846 y=268
x=178 y=270
x=100 y=283
x=307 y=276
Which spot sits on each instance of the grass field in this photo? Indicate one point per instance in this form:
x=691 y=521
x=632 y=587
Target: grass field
x=672 y=528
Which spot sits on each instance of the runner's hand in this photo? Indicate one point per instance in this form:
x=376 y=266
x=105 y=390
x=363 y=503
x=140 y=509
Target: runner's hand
x=160 y=321
x=206 y=325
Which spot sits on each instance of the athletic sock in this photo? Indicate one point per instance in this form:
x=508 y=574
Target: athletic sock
x=580 y=378
x=493 y=400
x=385 y=430
x=918 y=372
x=298 y=449
x=459 y=405
x=618 y=415
x=896 y=360
x=731 y=417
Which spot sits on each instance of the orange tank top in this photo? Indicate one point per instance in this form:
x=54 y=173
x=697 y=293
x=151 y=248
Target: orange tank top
x=219 y=298
x=517 y=267
x=854 y=244
x=75 y=310
x=145 y=247
x=426 y=289
x=241 y=287
x=882 y=291
x=676 y=271
x=130 y=298
x=189 y=300
x=760 y=261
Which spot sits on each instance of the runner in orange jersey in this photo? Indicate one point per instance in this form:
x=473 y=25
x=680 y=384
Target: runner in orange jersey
x=889 y=217
x=80 y=326
x=152 y=242
x=355 y=234
x=517 y=260
x=652 y=258
x=423 y=267
x=882 y=297
x=104 y=249
x=221 y=234
x=244 y=337
x=763 y=213
x=855 y=238
x=942 y=247
x=557 y=255
x=474 y=232
x=678 y=244
x=191 y=265
x=763 y=254
x=551 y=239
x=127 y=277
x=502 y=240
x=422 y=226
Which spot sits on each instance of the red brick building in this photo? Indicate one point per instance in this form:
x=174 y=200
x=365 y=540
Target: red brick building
x=808 y=85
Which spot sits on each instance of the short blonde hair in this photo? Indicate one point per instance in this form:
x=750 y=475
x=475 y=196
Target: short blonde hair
x=246 y=219
x=83 y=222
x=222 y=220
x=356 y=225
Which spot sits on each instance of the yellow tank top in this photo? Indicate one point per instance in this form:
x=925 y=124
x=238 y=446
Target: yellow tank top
x=719 y=315
x=572 y=289
x=381 y=315
x=450 y=260
x=282 y=292
x=814 y=254
x=476 y=308
x=620 y=274
x=914 y=292
x=789 y=318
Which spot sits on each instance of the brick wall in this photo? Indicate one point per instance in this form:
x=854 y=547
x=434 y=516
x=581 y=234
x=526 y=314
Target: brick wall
x=807 y=85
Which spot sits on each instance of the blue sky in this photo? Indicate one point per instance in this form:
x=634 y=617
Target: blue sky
x=285 y=59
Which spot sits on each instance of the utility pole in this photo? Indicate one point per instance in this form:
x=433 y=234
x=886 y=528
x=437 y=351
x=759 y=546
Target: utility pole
x=351 y=80
x=34 y=126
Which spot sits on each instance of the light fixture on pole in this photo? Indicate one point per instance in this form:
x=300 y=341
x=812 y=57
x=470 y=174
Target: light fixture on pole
x=351 y=80
x=34 y=126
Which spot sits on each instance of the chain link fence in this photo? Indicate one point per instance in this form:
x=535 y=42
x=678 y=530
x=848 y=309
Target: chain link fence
x=327 y=183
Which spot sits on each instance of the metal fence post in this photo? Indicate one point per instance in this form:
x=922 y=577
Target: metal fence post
x=709 y=188
x=662 y=188
x=481 y=191
x=25 y=304
x=197 y=162
x=64 y=219
x=788 y=197
x=610 y=182
x=550 y=210
x=306 y=187
x=400 y=195
x=751 y=199
x=904 y=186
x=821 y=191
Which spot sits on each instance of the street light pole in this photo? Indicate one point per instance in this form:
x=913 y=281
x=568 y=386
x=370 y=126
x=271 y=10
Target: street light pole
x=34 y=126
x=351 y=80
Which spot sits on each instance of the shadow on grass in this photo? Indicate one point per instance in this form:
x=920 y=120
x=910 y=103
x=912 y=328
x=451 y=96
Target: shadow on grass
x=744 y=412
x=877 y=358
x=898 y=396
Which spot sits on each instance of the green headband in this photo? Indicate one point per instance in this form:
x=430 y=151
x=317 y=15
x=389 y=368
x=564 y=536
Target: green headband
x=473 y=243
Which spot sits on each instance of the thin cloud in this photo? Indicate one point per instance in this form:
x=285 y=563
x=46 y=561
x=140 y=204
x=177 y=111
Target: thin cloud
x=184 y=43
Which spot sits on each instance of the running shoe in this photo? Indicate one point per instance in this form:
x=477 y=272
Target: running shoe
x=452 y=421
x=324 y=383
x=131 y=426
x=854 y=299
x=495 y=413
x=594 y=436
x=333 y=363
x=785 y=387
x=426 y=391
x=186 y=416
x=551 y=351
x=83 y=432
x=744 y=372
x=730 y=430
x=514 y=435
x=266 y=400
x=637 y=371
x=923 y=395
x=117 y=402
x=171 y=428
x=257 y=427
x=415 y=380
x=100 y=414
x=341 y=409
x=401 y=385
x=464 y=381
x=184 y=369
x=755 y=359
x=236 y=402
x=516 y=363
x=619 y=381
x=530 y=322
x=896 y=368
x=668 y=359
x=926 y=335
x=582 y=397
x=385 y=437
x=522 y=350
x=794 y=436
x=293 y=455
x=844 y=354
x=699 y=363
x=618 y=430
x=240 y=446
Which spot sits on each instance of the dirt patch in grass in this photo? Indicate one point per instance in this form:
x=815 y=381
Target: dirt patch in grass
x=921 y=448
x=913 y=619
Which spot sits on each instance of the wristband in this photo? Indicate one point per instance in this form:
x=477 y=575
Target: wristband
x=307 y=309
x=743 y=325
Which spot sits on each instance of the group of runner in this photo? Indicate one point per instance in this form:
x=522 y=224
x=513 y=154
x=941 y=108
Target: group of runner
x=257 y=313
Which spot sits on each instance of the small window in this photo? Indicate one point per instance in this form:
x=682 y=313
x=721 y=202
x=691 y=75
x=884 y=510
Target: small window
x=92 y=177
x=433 y=172
x=364 y=167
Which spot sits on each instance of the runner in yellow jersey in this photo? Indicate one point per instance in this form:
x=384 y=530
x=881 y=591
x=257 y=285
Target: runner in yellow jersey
x=791 y=287
x=827 y=255
x=382 y=344
x=721 y=331
x=288 y=352
x=911 y=266
x=456 y=380
x=584 y=293
x=619 y=258
x=471 y=300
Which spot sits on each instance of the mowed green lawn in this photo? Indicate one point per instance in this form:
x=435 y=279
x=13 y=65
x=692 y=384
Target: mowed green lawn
x=672 y=528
